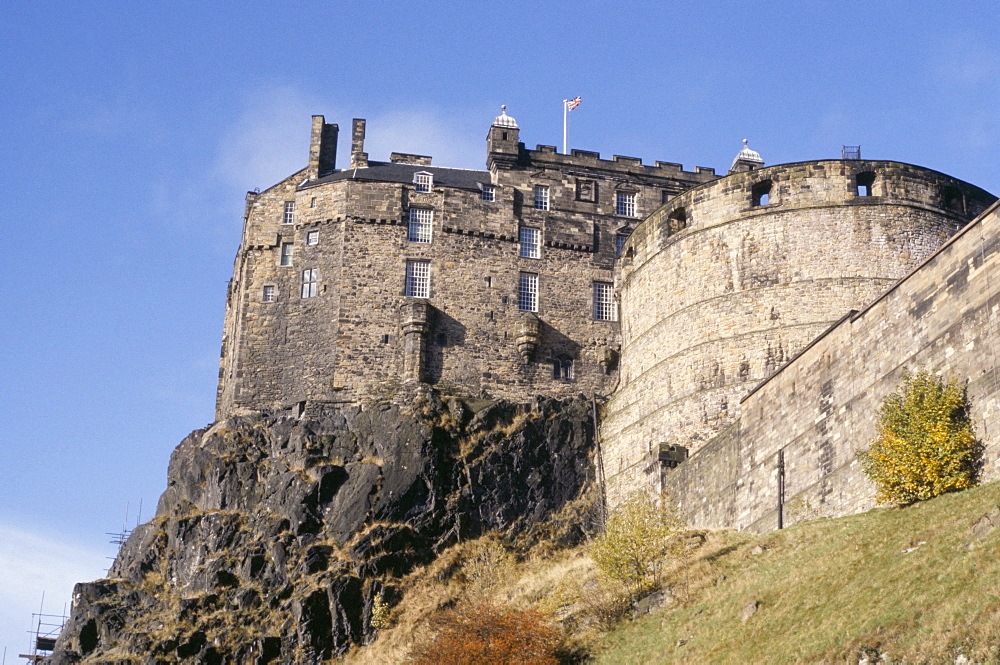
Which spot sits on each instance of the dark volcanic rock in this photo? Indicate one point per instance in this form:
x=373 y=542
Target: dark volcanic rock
x=275 y=533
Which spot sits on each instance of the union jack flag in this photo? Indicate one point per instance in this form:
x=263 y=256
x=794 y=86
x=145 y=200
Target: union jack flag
x=573 y=103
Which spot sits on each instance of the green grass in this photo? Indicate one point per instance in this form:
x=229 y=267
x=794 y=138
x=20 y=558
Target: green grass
x=835 y=590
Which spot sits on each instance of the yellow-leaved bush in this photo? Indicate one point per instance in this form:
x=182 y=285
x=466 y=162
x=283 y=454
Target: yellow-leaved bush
x=636 y=542
x=926 y=444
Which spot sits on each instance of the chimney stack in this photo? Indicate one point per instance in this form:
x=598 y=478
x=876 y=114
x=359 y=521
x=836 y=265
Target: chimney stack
x=322 y=147
x=359 y=158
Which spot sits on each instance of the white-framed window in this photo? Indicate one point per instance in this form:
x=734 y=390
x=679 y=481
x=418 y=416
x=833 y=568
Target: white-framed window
x=489 y=193
x=531 y=243
x=527 y=292
x=541 y=197
x=312 y=238
x=604 y=302
x=286 y=254
x=310 y=278
x=423 y=181
x=421 y=225
x=625 y=204
x=269 y=293
x=289 y=217
x=418 y=279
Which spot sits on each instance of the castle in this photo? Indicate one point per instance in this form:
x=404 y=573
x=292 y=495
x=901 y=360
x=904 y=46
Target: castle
x=674 y=293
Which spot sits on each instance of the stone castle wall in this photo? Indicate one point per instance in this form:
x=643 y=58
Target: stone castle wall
x=719 y=288
x=821 y=409
x=350 y=342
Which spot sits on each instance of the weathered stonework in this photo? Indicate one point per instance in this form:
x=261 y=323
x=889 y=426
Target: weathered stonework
x=719 y=289
x=820 y=409
x=723 y=283
x=349 y=342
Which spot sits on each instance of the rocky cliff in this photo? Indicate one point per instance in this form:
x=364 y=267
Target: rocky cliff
x=276 y=533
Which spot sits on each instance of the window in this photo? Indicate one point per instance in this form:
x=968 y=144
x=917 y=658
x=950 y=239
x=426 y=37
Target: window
x=562 y=368
x=664 y=196
x=310 y=278
x=312 y=238
x=527 y=292
x=625 y=204
x=604 y=302
x=541 y=197
x=421 y=223
x=677 y=221
x=269 y=294
x=418 y=279
x=286 y=254
x=531 y=243
x=489 y=193
x=422 y=181
x=620 y=242
x=864 y=183
x=761 y=193
x=289 y=217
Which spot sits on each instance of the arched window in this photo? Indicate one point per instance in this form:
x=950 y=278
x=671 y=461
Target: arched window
x=562 y=368
x=761 y=193
x=865 y=183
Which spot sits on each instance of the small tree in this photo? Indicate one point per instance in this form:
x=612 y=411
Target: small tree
x=637 y=539
x=926 y=444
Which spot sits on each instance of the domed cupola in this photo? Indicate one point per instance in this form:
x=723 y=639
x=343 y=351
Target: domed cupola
x=746 y=160
x=504 y=120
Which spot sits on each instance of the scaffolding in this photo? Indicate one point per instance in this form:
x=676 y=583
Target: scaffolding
x=119 y=538
x=850 y=152
x=45 y=630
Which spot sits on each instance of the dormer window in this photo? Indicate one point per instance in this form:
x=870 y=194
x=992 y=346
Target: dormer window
x=761 y=193
x=423 y=181
x=489 y=193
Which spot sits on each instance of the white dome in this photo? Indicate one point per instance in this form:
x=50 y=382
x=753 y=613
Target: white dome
x=747 y=155
x=504 y=120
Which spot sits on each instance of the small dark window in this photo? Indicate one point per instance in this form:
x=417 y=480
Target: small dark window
x=504 y=135
x=865 y=183
x=385 y=339
x=953 y=200
x=562 y=368
x=664 y=196
x=761 y=193
x=677 y=220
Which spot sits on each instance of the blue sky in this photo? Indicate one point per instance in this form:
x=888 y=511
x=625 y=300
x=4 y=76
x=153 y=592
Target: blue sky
x=132 y=131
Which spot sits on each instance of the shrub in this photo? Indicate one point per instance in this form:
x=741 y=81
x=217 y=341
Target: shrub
x=926 y=445
x=637 y=539
x=488 y=633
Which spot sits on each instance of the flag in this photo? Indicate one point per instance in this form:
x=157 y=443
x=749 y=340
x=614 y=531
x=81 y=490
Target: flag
x=573 y=103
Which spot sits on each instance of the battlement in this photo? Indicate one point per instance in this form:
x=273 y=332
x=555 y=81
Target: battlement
x=546 y=155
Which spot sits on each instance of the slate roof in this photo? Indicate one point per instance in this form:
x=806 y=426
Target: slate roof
x=393 y=172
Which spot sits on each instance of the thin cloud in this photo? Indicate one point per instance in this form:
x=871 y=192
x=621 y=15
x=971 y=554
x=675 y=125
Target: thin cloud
x=449 y=142
x=32 y=564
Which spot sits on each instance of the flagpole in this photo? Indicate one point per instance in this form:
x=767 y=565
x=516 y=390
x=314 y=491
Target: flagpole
x=565 y=113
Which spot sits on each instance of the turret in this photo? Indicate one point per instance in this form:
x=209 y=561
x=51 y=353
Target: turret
x=502 y=142
x=746 y=160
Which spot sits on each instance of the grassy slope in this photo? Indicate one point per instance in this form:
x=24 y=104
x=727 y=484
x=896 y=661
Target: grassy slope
x=834 y=590
x=828 y=591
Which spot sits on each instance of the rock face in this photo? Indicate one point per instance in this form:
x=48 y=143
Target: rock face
x=275 y=534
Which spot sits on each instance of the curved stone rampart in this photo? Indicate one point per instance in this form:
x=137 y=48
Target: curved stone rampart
x=726 y=282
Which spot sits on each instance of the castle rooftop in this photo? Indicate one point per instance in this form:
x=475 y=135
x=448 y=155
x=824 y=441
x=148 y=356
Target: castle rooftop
x=403 y=173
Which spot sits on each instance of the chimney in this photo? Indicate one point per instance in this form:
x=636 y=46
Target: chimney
x=322 y=147
x=359 y=158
